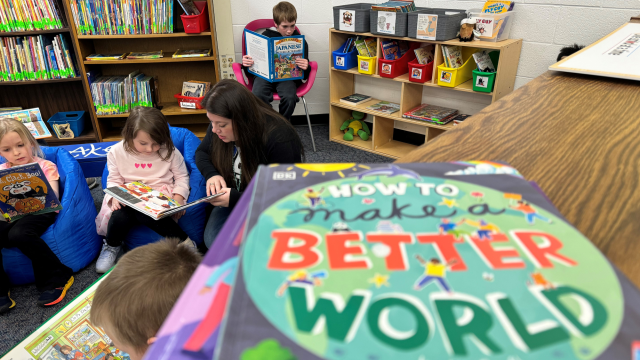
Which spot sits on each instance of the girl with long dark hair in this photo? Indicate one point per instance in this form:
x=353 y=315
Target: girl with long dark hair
x=244 y=133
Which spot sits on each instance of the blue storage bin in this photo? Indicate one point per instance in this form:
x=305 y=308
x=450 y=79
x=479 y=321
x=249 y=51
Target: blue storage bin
x=74 y=118
x=348 y=60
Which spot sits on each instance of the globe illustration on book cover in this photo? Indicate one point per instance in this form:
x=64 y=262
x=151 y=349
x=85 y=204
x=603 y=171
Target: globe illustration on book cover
x=418 y=267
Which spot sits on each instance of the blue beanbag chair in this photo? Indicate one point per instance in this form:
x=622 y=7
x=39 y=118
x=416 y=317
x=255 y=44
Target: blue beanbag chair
x=73 y=236
x=194 y=220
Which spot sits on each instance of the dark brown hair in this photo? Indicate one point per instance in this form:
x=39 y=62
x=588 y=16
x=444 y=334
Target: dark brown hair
x=251 y=129
x=284 y=11
x=136 y=297
x=151 y=121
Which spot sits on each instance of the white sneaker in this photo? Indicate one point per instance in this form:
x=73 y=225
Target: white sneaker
x=190 y=244
x=107 y=258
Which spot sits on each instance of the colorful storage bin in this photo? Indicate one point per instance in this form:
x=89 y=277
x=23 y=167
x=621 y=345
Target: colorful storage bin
x=420 y=73
x=345 y=61
x=395 y=68
x=187 y=102
x=483 y=81
x=495 y=27
x=195 y=24
x=352 y=17
x=452 y=77
x=366 y=64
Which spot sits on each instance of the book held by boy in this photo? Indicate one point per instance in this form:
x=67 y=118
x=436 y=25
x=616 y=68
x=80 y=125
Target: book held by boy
x=385 y=107
x=148 y=201
x=464 y=260
x=355 y=99
x=25 y=190
x=192 y=53
x=274 y=59
x=69 y=334
x=32 y=119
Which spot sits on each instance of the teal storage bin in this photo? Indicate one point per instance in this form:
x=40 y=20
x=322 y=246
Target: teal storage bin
x=75 y=119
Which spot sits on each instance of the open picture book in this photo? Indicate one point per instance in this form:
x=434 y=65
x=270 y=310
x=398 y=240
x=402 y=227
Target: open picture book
x=274 y=59
x=24 y=190
x=150 y=202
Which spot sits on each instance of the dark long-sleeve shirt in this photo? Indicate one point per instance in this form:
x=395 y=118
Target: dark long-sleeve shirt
x=282 y=147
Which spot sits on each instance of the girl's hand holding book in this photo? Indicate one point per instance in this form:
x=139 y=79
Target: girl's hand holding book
x=180 y=200
x=215 y=184
x=115 y=204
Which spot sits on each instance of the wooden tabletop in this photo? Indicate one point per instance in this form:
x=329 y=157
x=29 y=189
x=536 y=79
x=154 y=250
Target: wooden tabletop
x=578 y=137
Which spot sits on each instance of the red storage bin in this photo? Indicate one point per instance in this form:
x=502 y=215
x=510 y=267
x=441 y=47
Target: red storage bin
x=195 y=24
x=187 y=102
x=420 y=73
x=395 y=68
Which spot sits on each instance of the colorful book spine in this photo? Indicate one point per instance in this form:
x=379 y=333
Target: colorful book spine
x=29 y=15
x=35 y=58
x=122 y=17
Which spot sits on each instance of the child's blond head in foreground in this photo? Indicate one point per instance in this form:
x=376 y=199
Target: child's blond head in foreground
x=133 y=301
x=17 y=145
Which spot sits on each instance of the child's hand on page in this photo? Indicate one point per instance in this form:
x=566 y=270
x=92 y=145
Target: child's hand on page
x=215 y=184
x=222 y=200
x=180 y=200
x=115 y=205
x=302 y=63
x=247 y=61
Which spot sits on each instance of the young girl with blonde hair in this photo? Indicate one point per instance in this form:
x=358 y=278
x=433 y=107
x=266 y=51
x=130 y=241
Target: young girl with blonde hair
x=145 y=154
x=53 y=279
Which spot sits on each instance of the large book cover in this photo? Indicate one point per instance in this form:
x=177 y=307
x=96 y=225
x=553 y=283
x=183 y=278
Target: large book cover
x=25 y=190
x=274 y=58
x=191 y=330
x=32 y=119
x=148 y=201
x=69 y=334
x=420 y=261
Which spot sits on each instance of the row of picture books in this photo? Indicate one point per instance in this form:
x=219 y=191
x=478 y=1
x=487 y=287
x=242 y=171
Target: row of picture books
x=434 y=114
x=119 y=94
x=41 y=57
x=390 y=49
x=150 y=55
x=452 y=56
x=29 y=15
x=122 y=17
x=395 y=6
x=366 y=46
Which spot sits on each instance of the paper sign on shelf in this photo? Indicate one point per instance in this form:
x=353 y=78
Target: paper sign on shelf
x=347 y=20
x=387 y=22
x=427 y=27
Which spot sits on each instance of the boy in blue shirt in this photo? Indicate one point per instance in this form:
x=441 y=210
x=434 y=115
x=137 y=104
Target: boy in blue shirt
x=284 y=17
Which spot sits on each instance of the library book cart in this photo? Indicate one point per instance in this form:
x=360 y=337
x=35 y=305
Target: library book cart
x=342 y=83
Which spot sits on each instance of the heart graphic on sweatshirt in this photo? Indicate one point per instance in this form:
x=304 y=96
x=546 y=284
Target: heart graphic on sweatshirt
x=144 y=165
x=149 y=165
x=137 y=165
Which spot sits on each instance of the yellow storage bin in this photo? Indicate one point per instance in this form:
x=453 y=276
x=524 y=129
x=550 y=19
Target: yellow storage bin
x=367 y=65
x=451 y=77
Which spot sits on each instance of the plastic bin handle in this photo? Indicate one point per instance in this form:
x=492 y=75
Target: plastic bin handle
x=73 y=115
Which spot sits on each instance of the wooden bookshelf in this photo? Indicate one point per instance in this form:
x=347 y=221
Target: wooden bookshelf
x=169 y=73
x=342 y=83
x=55 y=95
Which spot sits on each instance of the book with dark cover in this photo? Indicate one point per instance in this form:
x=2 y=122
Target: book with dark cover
x=355 y=99
x=25 y=190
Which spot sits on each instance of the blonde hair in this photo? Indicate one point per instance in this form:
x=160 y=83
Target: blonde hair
x=136 y=297
x=8 y=125
x=153 y=122
x=284 y=11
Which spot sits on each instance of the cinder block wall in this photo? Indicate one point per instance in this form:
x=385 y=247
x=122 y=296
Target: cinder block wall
x=544 y=25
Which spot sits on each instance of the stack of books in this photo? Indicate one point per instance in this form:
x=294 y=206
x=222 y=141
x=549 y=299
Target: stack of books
x=35 y=58
x=452 y=56
x=192 y=53
x=119 y=94
x=395 y=6
x=431 y=113
x=122 y=17
x=365 y=46
x=393 y=49
x=116 y=56
x=29 y=15
x=145 y=55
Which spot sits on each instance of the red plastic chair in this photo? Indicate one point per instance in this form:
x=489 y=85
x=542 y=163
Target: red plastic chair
x=302 y=90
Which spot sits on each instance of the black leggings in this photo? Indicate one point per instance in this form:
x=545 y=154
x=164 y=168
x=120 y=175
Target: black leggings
x=125 y=219
x=24 y=234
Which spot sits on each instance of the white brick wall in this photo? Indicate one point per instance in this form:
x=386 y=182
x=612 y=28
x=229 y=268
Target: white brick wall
x=544 y=25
